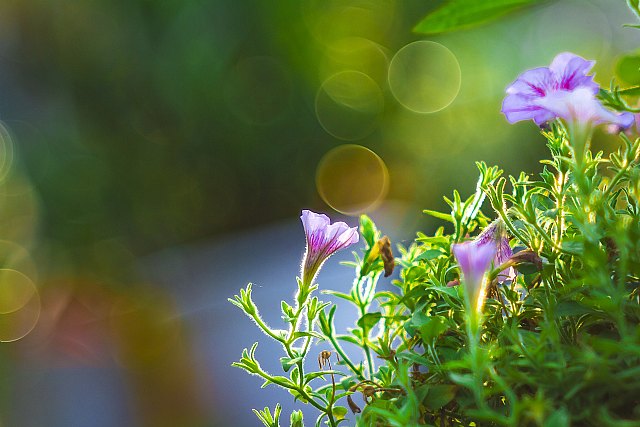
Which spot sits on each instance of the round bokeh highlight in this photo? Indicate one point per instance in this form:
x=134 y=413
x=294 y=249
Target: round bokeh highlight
x=352 y=179
x=424 y=77
x=349 y=105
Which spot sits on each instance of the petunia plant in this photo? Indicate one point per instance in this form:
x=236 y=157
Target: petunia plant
x=526 y=314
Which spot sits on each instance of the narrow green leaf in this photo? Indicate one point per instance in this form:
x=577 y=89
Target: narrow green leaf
x=439 y=215
x=288 y=362
x=459 y=14
x=429 y=254
x=368 y=230
x=369 y=320
x=338 y=294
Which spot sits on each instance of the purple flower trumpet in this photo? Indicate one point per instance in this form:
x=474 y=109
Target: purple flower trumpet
x=323 y=240
x=562 y=90
x=476 y=257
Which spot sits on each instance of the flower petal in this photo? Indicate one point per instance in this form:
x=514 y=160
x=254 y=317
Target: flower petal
x=323 y=239
x=517 y=108
x=474 y=260
x=533 y=83
x=313 y=222
x=581 y=105
x=570 y=72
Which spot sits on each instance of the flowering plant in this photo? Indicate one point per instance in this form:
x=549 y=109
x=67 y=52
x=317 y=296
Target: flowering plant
x=535 y=321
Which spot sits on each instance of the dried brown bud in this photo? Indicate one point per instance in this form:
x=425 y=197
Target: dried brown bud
x=387 y=255
x=323 y=359
x=612 y=249
x=352 y=405
x=452 y=283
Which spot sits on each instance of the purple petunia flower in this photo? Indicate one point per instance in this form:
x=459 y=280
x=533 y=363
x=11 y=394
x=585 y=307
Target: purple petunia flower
x=475 y=258
x=323 y=240
x=561 y=90
x=475 y=261
x=581 y=106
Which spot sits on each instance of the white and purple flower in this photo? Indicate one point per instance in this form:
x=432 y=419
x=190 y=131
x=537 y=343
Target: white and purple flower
x=562 y=90
x=323 y=240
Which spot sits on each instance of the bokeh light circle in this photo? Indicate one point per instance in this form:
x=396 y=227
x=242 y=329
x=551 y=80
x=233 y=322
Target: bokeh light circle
x=259 y=90
x=355 y=54
x=18 y=324
x=349 y=105
x=352 y=179
x=424 y=76
x=16 y=290
x=329 y=20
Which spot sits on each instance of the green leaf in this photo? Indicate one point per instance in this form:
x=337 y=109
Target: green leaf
x=465 y=380
x=313 y=375
x=301 y=334
x=339 y=412
x=338 y=294
x=267 y=419
x=278 y=380
x=439 y=215
x=433 y=328
x=413 y=358
x=288 y=362
x=571 y=308
x=296 y=419
x=573 y=246
x=459 y=14
x=369 y=320
x=438 y=396
x=368 y=230
x=429 y=254
x=348 y=338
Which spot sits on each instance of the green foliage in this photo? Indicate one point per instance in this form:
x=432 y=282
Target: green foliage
x=558 y=345
x=555 y=342
x=267 y=419
x=459 y=14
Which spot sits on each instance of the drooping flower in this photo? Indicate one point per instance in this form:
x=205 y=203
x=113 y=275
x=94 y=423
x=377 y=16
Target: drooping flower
x=323 y=240
x=477 y=256
x=561 y=90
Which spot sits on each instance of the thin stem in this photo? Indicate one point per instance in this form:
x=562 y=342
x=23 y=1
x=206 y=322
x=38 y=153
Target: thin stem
x=343 y=355
x=365 y=345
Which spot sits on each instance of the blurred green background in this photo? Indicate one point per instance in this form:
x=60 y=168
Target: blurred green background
x=132 y=126
x=145 y=124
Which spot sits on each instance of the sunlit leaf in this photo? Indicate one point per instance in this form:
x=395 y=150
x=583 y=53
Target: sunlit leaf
x=459 y=14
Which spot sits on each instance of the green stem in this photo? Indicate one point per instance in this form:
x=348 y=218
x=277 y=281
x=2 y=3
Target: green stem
x=365 y=345
x=345 y=358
